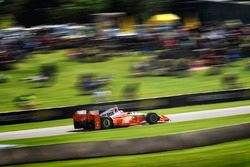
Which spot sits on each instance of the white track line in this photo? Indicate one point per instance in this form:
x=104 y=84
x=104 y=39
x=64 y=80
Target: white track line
x=190 y=116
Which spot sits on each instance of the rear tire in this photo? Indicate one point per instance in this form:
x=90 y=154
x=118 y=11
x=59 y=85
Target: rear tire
x=90 y=125
x=77 y=125
x=106 y=123
x=152 y=118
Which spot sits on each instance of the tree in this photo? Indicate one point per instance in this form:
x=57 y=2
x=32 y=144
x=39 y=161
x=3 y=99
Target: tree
x=131 y=7
x=34 y=12
x=142 y=9
x=78 y=11
x=49 y=70
x=230 y=81
x=37 y=12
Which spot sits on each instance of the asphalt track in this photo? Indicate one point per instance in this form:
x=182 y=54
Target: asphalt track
x=181 y=117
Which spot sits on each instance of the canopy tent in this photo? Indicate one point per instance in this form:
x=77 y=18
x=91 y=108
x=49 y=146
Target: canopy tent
x=163 y=19
x=192 y=22
x=127 y=24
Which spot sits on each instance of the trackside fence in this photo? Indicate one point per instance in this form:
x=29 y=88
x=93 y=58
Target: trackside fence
x=129 y=105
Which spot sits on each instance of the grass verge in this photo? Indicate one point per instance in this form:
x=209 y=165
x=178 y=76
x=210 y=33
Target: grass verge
x=63 y=90
x=234 y=154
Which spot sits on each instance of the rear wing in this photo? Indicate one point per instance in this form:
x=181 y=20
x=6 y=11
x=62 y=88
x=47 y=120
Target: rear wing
x=85 y=112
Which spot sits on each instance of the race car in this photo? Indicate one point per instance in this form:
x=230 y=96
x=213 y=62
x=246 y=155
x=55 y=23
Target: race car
x=113 y=117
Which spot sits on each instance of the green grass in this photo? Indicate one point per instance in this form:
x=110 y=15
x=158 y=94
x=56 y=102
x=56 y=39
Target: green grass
x=6 y=22
x=133 y=132
x=45 y=124
x=64 y=92
x=233 y=154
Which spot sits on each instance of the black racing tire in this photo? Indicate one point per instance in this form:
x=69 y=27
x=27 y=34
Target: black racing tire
x=90 y=125
x=106 y=123
x=84 y=124
x=77 y=125
x=152 y=118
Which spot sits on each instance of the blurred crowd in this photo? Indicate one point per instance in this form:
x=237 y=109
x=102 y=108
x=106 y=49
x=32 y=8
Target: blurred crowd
x=172 y=50
x=16 y=42
x=210 y=45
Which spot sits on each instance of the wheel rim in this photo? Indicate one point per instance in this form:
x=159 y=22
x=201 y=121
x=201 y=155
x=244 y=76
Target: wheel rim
x=154 y=118
x=106 y=123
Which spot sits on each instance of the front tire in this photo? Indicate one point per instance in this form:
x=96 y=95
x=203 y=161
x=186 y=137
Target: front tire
x=106 y=123
x=152 y=118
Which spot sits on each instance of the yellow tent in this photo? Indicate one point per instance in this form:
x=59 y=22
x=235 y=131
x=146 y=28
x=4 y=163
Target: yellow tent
x=163 y=18
x=192 y=22
x=127 y=24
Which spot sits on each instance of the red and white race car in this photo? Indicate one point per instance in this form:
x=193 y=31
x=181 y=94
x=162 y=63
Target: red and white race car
x=113 y=117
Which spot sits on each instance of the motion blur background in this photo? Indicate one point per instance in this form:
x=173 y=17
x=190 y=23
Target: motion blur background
x=68 y=52
x=56 y=53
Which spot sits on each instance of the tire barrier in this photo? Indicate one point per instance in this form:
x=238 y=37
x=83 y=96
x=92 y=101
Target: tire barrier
x=129 y=105
x=71 y=151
